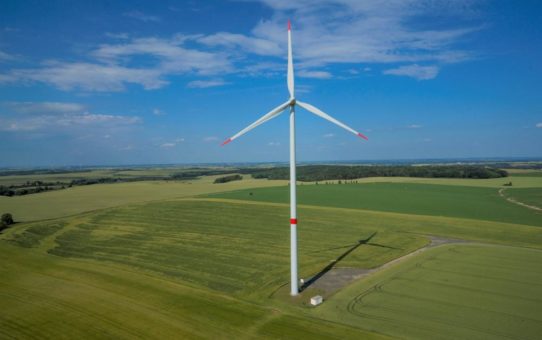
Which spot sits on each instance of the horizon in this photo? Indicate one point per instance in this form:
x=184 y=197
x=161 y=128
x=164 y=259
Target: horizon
x=361 y=162
x=123 y=84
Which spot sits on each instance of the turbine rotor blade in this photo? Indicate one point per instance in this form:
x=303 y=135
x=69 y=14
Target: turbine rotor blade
x=290 y=62
x=324 y=115
x=268 y=116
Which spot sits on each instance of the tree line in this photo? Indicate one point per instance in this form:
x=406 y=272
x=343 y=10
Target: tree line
x=307 y=173
x=311 y=173
x=226 y=179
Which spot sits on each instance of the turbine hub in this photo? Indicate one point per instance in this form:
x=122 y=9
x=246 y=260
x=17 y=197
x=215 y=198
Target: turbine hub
x=292 y=101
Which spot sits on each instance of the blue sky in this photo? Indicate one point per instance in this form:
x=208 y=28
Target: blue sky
x=111 y=82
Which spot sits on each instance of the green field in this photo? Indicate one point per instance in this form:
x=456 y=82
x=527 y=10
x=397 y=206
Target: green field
x=530 y=196
x=187 y=265
x=53 y=297
x=423 y=199
x=450 y=292
x=54 y=204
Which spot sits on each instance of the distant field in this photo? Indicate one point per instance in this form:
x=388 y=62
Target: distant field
x=530 y=196
x=54 y=204
x=451 y=292
x=521 y=181
x=524 y=172
x=424 y=199
x=90 y=174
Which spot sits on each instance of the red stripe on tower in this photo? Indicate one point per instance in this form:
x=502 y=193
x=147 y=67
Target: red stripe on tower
x=293 y=220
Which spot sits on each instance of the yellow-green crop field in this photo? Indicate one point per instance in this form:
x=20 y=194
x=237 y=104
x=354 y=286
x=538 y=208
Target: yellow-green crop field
x=194 y=259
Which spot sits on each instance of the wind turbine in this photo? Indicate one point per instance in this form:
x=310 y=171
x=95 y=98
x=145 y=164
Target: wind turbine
x=291 y=103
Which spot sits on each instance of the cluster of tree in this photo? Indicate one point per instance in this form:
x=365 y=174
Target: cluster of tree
x=8 y=191
x=39 y=172
x=106 y=180
x=6 y=221
x=230 y=178
x=33 y=187
x=517 y=165
x=312 y=173
x=198 y=172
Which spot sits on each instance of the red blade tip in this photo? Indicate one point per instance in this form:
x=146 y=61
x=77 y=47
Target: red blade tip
x=362 y=136
x=289 y=25
x=226 y=141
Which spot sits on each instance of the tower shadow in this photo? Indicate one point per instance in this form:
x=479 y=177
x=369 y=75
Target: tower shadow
x=333 y=263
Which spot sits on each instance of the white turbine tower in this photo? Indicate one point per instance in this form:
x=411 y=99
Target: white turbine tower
x=291 y=103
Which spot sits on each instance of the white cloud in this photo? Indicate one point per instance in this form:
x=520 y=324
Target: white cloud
x=329 y=135
x=141 y=16
x=179 y=140
x=324 y=32
x=539 y=125
x=91 y=77
x=45 y=116
x=65 y=121
x=167 y=145
x=273 y=144
x=113 y=68
x=44 y=107
x=126 y=148
x=210 y=139
x=414 y=126
x=206 y=83
x=414 y=71
x=375 y=32
x=5 y=56
x=120 y=36
x=158 y=112
x=314 y=74
x=249 y=44
x=171 y=56
x=303 y=88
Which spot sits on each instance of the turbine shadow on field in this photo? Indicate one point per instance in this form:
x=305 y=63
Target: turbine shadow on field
x=333 y=263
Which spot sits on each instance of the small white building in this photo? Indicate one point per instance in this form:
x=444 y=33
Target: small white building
x=316 y=300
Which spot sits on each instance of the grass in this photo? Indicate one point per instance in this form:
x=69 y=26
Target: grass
x=92 y=174
x=423 y=199
x=33 y=235
x=182 y=240
x=451 y=292
x=206 y=268
x=530 y=196
x=76 y=200
x=524 y=172
x=51 y=297
x=523 y=180
x=147 y=260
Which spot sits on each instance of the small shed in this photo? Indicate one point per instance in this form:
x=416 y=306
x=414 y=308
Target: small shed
x=316 y=300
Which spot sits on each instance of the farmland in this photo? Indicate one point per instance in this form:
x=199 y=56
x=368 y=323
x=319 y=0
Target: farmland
x=76 y=200
x=422 y=199
x=195 y=259
x=451 y=292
